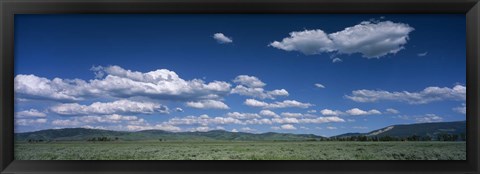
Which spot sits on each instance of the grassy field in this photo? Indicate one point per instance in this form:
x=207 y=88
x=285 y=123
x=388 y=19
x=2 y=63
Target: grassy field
x=241 y=151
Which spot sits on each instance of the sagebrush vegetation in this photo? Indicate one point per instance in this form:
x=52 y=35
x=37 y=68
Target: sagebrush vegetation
x=216 y=150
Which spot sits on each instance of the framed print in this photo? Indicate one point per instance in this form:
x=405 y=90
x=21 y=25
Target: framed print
x=279 y=86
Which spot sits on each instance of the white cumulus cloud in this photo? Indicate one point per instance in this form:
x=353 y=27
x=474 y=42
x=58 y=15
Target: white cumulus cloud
x=369 y=38
x=247 y=129
x=179 y=109
x=31 y=113
x=208 y=104
x=221 y=38
x=290 y=114
x=120 y=83
x=337 y=60
x=429 y=94
x=30 y=122
x=203 y=120
x=259 y=121
x=238 y=115
x=33 y=87
x=116 y=107
x=268 y=113
x=461 y=109
x=288 y=127
x=276 y=105
x=428 y=118
x=328 y=112
x=356 y=111
x=318 y=85
x=249 y=81
x=320 y=120
x=252 y=86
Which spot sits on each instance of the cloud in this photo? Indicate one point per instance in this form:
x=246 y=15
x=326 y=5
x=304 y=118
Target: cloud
x=304 y=128
x=158 y=84
x=113 y=122
x=356 y=111
x=308 y=42
x=288 y=127
x=32 y=113
x=312 y=111
x=318 y=85
x=98 y=71
x=164 y=127
x=33 y=87
x=89 y=120
x=275 y=128
x=462 y=109
x=308 y=115
x=422 y=54
x=259 y=121
x=179 y=109
x=320 y=120
x=359 y=127
x=234 y=130
x=249 y=81
x=247 y=129
x=30 y=122
x=252 y=86
x=289 y=114
x=370 y=38
x=256 y=103
x=208 y=104
x=337 y=60
x=66 y=122
x=331 y=128
x=331 y=112
x=353 y=111
x=428 y=118
x=275 y=105
x=201 y=129
x=203 y=120
x=242 y=116
x=268 y=113
x=392 y=111
x=285 y=120
x=122 y=106
x=94 y=127
x=429 y=94
x=120 y=83
x=258 y=92
x=277 y=92
x=221 y=38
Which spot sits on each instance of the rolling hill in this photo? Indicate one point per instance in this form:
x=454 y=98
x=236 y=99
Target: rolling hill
x=83 y=134
x=421 y=129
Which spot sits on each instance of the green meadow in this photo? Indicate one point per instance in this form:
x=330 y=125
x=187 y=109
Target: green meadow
x=240 y=150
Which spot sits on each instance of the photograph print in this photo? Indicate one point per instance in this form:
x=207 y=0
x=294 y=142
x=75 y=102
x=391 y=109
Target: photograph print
x=240 y=87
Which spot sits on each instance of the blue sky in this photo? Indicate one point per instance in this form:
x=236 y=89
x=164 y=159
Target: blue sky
x=248 y=73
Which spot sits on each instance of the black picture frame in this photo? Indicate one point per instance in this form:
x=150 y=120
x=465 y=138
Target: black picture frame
x=9 y=8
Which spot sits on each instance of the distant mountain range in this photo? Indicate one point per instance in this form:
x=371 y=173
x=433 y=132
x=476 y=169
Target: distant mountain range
x=421 y=129
x=82 y=134
x=77 y=134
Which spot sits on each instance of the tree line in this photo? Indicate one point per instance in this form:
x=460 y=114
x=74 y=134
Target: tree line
x=103 y=139
x=438 y=137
